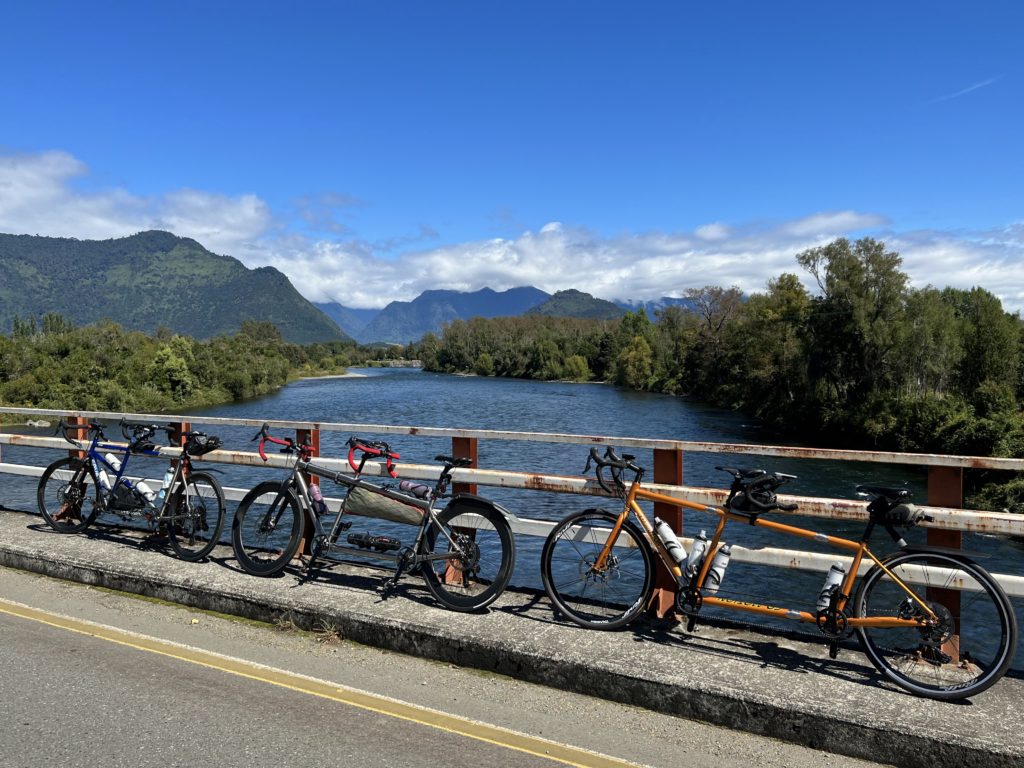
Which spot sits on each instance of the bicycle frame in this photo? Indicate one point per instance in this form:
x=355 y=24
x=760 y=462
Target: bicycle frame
x=96 y=457
x=425 y=505
x=859 y=549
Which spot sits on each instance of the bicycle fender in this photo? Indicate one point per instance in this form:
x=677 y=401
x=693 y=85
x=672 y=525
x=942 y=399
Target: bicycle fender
x=472 y=500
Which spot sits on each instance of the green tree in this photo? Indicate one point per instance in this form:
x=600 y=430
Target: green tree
x=484 y=365
x=857 y=324
x=576 y=368
x=634 y=367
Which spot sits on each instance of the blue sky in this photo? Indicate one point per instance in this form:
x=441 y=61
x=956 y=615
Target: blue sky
x=372 y=150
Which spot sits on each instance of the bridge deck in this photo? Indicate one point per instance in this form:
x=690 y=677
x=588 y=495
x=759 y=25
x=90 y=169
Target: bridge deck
x=751 y=680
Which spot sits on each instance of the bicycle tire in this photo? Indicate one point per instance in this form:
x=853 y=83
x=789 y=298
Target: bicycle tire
x=471 y=586
x=62 y=500
x=197 y=516
x=607 y=600
x=983 y=635
x=262 y=548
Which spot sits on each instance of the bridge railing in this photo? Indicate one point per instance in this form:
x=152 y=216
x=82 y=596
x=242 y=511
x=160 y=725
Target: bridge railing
x=945 y=477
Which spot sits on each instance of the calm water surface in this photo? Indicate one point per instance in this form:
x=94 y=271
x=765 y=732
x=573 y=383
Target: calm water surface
x=414 y=398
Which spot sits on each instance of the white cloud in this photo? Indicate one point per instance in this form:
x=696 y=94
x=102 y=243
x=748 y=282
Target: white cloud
x=38 y=196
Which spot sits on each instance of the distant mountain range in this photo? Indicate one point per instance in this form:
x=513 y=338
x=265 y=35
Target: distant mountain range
x=156 y=279
x=401 y=322
x=404 y=321
x=149 y=280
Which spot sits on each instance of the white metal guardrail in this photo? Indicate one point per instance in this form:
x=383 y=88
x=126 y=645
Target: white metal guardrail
x=946 y=518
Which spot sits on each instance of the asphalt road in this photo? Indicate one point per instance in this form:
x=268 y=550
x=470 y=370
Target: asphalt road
x=111 y=699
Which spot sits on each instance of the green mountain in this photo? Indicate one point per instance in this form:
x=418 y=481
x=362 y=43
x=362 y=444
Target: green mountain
x=573 y=303
x=405 y=321
x=149 y=280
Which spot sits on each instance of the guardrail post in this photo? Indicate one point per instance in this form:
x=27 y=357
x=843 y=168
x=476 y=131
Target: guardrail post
x=668 y=469
x=177 y=437
x=462 y=448
x=312 y=437
x=946 y=489
x=465 y=448
x=77 y=431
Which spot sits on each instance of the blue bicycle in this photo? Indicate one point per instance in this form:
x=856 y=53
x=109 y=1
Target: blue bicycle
x=189 y=505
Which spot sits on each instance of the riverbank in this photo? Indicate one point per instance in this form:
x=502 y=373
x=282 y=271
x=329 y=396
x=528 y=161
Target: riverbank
x=346 y=375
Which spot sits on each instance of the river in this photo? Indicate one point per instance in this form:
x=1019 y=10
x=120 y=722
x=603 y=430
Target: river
x=412 y=397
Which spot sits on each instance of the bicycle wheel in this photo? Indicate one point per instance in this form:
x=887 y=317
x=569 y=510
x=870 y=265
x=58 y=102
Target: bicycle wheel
x=68 y=495
x=267 y=528
x=196 y=516
x=608 y=598
x=473 y=581
x=967 y=650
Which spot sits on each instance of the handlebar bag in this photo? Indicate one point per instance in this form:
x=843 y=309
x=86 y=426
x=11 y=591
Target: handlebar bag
x=198 y=446
x=369 y=504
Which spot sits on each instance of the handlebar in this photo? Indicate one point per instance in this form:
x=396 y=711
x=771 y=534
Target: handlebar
x=93 y=426
x=289 y=445
x=141 y=430
x=371 y=448
x=615 y=464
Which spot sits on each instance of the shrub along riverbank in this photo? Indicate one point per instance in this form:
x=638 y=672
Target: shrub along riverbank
x=52 y=364
x=868 y=362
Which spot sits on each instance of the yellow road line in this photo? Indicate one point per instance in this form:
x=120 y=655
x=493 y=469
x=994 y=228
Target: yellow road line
x=442 y=721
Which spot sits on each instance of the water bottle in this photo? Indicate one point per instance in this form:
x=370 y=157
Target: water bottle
x=700 y=548
x=319 y=505
x=113 y=461
x=147 y=493
x=832 y=581
x=104 y=480
x=419 y=490
x=717 y=572
x=668 y=538
x=165 y=484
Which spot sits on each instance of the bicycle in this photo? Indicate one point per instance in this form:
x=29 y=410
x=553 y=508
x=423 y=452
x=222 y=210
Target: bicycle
x=465 y=551
x=928 y=618
x=189 y=505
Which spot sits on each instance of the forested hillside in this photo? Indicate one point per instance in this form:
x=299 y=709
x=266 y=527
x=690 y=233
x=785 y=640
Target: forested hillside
x=147 y=281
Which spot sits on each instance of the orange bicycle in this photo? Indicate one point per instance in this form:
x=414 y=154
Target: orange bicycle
x=930 y=619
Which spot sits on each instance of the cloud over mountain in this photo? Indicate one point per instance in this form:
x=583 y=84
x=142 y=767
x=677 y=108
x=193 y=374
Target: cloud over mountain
x=48 y=193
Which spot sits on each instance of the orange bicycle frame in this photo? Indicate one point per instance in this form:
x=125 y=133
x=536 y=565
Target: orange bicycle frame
x=858 y=548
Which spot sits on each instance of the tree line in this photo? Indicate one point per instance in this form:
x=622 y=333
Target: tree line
x=866 y=362
x=50 y=363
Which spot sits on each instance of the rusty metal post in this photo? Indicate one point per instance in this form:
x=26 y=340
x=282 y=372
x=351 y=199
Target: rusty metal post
x=946 y=489
x=77 y=426
x=312 y=437
x=668 y=469
x=177 y=437
x=465 y=448
x=462 y=448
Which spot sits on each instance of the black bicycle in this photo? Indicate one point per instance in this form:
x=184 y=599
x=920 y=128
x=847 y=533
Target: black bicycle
x=465 y=551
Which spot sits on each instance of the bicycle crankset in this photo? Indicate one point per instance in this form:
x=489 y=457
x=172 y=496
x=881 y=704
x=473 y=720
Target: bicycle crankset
x=833 y=623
